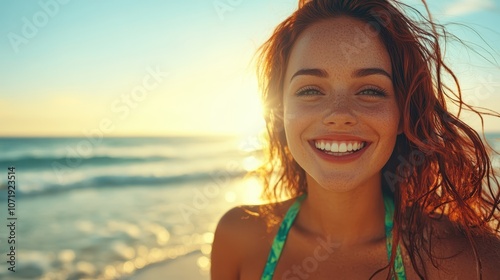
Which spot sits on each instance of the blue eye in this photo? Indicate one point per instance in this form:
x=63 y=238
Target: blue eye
x=308 y=91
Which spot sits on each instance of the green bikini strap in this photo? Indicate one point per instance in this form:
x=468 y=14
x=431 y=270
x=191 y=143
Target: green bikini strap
x=280 y=238
x=399 y=268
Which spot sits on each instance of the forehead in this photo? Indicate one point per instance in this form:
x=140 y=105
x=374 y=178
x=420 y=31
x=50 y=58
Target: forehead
x=339 y=44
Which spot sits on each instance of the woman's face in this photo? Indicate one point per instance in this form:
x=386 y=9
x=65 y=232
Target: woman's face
x=340 y=110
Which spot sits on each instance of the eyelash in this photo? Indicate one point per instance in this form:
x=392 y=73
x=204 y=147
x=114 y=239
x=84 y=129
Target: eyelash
x=302 y=92
x=378 y=91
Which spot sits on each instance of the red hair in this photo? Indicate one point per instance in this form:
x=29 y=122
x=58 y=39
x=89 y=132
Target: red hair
x=439 y=166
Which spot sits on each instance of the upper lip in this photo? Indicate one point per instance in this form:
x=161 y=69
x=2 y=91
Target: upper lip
x=339 y=137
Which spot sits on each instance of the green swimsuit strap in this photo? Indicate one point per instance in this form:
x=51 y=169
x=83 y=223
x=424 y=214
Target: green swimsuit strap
x=280 y=238
x=399 y=268
x=286 y=224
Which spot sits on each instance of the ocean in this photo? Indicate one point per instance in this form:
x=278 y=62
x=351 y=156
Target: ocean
x=104 y=208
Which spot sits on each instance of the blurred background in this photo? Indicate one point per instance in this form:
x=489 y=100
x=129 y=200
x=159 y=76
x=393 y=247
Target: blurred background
x=130 y=125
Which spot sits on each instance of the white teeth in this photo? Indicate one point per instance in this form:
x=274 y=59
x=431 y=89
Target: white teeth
x=339 y=147
x=334 y=148
x=343 y=148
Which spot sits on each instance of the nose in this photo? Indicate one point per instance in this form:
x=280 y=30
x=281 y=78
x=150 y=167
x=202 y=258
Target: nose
x=339 y=112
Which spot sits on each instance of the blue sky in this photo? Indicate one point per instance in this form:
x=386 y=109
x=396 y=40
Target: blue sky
x=155 y=67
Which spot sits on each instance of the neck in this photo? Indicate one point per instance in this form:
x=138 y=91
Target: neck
x=349 y=218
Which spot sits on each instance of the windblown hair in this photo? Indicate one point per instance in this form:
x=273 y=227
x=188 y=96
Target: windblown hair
x=440 y=165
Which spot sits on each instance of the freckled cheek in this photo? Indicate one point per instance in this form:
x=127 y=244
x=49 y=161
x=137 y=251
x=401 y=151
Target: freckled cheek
x=297 y=120
x=386 y=118
x=299 y=115
x=294 y=123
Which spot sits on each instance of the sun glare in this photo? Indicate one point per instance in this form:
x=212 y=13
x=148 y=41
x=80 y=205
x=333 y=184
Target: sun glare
x=237 y=110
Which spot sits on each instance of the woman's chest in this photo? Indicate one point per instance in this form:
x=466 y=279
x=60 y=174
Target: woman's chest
x=318 y=259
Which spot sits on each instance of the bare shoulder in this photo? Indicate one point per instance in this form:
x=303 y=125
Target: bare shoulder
x=488 y=248
x=238 y=224
x=455 y=255
x=487 y=260
x=241 y=232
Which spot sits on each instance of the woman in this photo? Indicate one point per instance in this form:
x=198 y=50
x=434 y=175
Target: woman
x=361 y=139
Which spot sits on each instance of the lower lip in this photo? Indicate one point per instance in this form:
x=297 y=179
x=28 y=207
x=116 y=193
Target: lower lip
x=340 y=159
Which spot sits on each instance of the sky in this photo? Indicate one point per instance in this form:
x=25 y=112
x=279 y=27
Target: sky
x=158 y=67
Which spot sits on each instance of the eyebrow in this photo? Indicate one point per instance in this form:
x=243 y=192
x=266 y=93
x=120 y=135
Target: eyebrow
x=363 y=72
x=371 y=71
x=310 y=72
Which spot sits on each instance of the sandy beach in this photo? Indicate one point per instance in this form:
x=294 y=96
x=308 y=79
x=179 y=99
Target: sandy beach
x=186 y=267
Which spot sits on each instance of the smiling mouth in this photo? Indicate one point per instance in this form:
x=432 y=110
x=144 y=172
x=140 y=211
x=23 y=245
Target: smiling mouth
x=339 y=148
